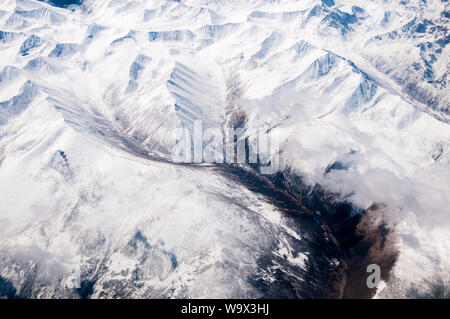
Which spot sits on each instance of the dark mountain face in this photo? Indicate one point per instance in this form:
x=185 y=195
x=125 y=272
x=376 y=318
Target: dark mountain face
x=63 y=3
x=99 y=95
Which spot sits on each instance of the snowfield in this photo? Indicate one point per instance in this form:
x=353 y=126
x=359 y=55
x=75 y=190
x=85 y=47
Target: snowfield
x=92 y=204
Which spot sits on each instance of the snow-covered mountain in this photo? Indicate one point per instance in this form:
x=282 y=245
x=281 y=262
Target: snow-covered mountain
x=92 y=100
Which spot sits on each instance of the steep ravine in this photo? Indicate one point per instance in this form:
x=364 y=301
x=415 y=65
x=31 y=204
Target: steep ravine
x=348 y=238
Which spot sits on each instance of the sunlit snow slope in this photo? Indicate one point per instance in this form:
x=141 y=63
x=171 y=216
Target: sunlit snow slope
x=89 y=102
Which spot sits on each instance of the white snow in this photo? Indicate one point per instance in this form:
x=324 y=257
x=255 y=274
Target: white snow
x=110 y=97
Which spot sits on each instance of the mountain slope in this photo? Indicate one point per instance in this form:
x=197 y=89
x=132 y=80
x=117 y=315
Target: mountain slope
x=91 y=103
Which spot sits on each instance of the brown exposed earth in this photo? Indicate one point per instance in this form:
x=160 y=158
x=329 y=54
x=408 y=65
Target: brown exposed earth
x=356 y=238
x=372 y=243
